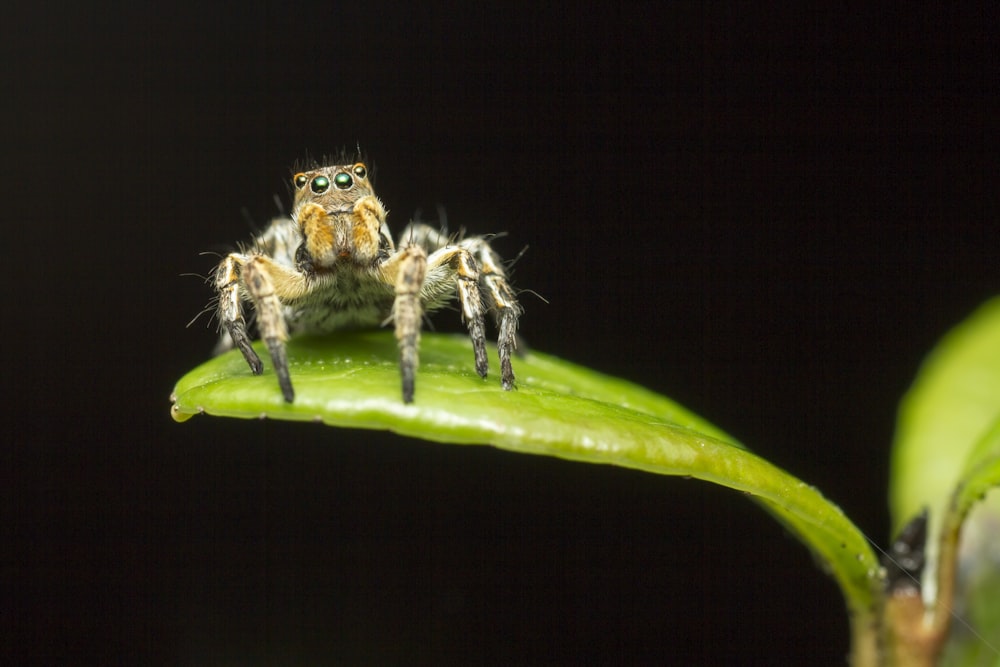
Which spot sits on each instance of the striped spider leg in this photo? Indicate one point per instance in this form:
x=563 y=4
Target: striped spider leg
x=493 y=284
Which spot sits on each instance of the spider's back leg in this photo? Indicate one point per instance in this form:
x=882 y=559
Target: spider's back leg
x=500 y=299
x=452 y=269
x=227 y=282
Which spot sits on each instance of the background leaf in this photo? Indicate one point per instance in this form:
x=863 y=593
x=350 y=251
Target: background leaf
x=974 y=639
x=947 y=457
x=951 y=406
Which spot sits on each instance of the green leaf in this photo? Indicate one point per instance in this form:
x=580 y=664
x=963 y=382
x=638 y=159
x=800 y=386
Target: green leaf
x=949 y=409
x=951 y=405
x=981 y=473
x=978 y=558
x=946 y=457
x=558 y=409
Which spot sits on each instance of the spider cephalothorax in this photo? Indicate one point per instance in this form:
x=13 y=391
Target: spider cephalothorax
x=333 y=265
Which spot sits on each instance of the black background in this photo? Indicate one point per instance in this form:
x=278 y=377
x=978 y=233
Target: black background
x=769 y=213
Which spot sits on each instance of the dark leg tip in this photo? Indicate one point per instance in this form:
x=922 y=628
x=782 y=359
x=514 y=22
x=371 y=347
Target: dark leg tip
x=280 y=361
x=238 y=332
x=408 y=384
x=506 y=374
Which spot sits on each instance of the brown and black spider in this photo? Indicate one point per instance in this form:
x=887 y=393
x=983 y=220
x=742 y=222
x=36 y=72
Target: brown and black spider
x=333 y=265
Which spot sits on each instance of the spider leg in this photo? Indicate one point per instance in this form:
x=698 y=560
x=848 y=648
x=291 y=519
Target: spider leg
x=227 y=282
x=425 y=235
x=453 y=267
x=479 y=270
x=502 y=301
x=270 y=321
x=266 y=283
x=407 y=271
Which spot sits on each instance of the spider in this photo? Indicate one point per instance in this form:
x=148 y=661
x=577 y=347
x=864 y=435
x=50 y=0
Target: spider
x=333 y=265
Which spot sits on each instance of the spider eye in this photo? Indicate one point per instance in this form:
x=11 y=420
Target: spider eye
x=343 y=181
x=300 y=180
x=320 y=184
x=360 y=171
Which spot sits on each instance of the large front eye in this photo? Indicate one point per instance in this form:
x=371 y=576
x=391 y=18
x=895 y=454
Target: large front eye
x=300 y=180
x=343 y=181
x=360 y=171
x=320 y=185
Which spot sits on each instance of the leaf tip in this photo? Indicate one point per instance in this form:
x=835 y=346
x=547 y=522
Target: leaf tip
x=178 y=416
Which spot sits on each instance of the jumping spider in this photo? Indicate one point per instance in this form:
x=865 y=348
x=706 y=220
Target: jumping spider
x=333 y=265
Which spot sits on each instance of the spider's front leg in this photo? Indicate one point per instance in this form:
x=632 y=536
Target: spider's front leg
x=407 y=271
x=265 y=282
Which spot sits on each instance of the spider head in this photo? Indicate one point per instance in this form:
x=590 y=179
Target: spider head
x=335 y=188
x=338 y=214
